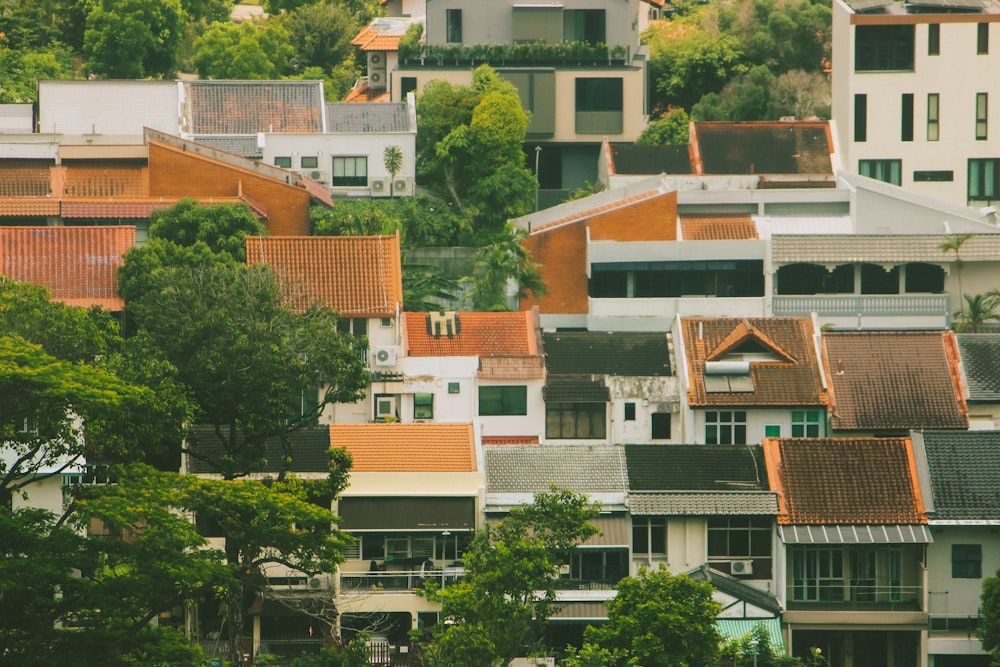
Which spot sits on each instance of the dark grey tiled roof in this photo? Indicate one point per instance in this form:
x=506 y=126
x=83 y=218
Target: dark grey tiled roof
x=531 y=469
x=357 y=117
x=600 y=353
x=732 y=586
x=249 y=107
x=243 y=146
x=310 y=450
x=639 y=159
x=576 y=391
x=981 y=360
x=702 y=503
x=695 y=468
x=964 y=471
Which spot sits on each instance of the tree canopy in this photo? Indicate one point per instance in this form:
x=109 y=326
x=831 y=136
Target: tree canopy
x=133 y=39
x=247 y=50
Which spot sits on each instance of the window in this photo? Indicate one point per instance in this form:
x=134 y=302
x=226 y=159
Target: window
x=906 y=119
x=772 y=431
x=861 y=117
x=888 y=171
x=933 y=176
x=283 y=161
x=649 y=536
x=933 y=116
x=739 y=537
x=575 y=420
x=725 y=427
x=807 y=423
x=661 y=426
x=453 y=26
x=966 y=561
x=307 y=405
x=883 y=48
x=925 y=278
x=357 y=326
x=983 y=39
x=350 y=171
x=876 y=280
x=407 y=84
x=630 y=412
x=933 y=39
x=537 y=23
x=454 y=388
x=984 y=179
x=503 y=400
x=981 y=108
x=423 y=406
x=584 y=25
x=818 y=574
x=599 y=105
x=310 y=162
x=385 y=322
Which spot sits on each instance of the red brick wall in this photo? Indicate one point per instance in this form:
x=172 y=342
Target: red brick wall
x=562 y=253
x=176 y=173
x=654 y=219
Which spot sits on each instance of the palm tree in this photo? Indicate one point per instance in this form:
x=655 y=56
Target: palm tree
x=954 y=243
x=393 y=158
x=978 y=310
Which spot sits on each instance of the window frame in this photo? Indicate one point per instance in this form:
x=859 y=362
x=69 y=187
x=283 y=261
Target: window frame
x=805 y=421
x=982 y=116
x=906 y=117
x=966 y=561
x=511 y=400
x=647 y=525
x=453 y=26
x=340 y=164
x=720 y=420
x=933 y=39
x=755 y=532
x=629 y=411
x=657 y=430
x=884 y=48
x=423 y=405
x=887 y=170
x=982 y=39
x=563 y=420
x=309 y=162
x=860 y=117
x=933 y=116
x=283 y=161
x=986 y=179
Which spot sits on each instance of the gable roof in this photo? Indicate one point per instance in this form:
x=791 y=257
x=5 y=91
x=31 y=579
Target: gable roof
x=894 y=380
x=376 y=117
x=249 y=107
x=607 y=353
x=963 y=473
x=310 y=448
x=358 y=276
x=980 y=355
x=718 y=228
x=844 y=481
x=533 y=469
x=695 y=468
x=78 y=265
x=479 y=335
x=407 y=447
x=762 y=148
x=794 y=379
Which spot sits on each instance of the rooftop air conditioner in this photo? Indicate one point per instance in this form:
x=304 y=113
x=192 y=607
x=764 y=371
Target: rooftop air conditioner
x=741 y=567
x=376 y=79
x=380 y=187
x=385 y=356
x=402 y=186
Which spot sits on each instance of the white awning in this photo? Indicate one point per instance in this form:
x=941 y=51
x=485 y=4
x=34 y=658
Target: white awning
x=856 y=534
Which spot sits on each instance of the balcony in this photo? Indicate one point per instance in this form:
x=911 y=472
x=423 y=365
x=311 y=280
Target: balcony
x=399 y=581
x=841 y=596
x=535 y=54
x=901 y=310
x=603 y=311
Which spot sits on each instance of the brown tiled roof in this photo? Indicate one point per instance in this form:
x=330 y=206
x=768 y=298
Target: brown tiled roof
x=136 y=209
x=359 y=276
x=29 y=207
x=801 y=147
x=479 y=335
x=364 y=93
x=78 y=265
x=844 y=481
x=718 y=228
x=407 y=447
x=516 y=367
x=510 y=439
x=597 y=210
x=784 y=383
x=32 y=179
x=381 y=43
x=249 y=107
x=105 y=180
x=894 y=380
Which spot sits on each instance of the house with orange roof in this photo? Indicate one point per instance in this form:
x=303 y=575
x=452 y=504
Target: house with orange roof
x=78 y=265
x=358 y=276
x=751 y=378
x=415 y=496
x=487 y=368
x=379 y=43
x=853 y=541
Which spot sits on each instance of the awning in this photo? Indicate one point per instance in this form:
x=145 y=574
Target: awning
x=856 y=534
x=576 y=391
x=399 y=513
x=737 y=628
x=581 y=611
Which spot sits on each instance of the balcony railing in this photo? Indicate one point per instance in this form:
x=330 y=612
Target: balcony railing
x=903 y=305
x=402 y=581
x=834 y=596
x=500 y=55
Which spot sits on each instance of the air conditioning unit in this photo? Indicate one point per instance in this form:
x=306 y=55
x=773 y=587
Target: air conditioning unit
x=741 y=567
x=385 y=356
x=319 y=175
x=376 y=60
x=385 y=407
x=402 y=185
x=376 y=79
x=380 y=187
x=319 y=582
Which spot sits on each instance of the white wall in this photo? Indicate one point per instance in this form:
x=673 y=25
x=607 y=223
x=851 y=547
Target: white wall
x=949 y=596
x=108 y=107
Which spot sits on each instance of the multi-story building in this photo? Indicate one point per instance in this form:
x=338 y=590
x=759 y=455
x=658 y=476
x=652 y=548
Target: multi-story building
x=912 y=89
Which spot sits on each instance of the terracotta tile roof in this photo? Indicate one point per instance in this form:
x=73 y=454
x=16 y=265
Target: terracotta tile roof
x=407 y=447
x=359 y=276
x=511 y=368
x=29 y=180
x=78 y=265
x=479 y=335
x=762 y=148
x=510 y=439
x=597 y=210
x=894 y=380
x=364 y=35
x=135 y=209
x=845 y=481
x=249 y=107
x=362 y=92
x=718 y=228
x=381 y=43
x=105 y=180
x=793 y=379
x=29 y=207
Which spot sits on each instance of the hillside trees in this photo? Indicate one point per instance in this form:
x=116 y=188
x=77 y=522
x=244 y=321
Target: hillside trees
x=248 y=50
x=133 y=39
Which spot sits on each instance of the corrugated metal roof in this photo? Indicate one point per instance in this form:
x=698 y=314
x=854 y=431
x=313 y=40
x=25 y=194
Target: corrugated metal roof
x=856 y=534
x=736 y=629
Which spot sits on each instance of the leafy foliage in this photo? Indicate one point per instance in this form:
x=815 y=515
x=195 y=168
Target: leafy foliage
x=23 y=69
x=321 y=34
x=755 y=648
x=421 y=221
x=500 y=262
x=989 y=624
x=222 y=227
x=133 y=39
x=248 y=50
x=671 y=129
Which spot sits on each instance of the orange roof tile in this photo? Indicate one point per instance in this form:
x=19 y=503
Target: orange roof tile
x=718 y=228
x=744 y=332
x=29 y=207
x=364 y=93
x=381 y=43
x=123 y=208
x=359 y=276
x=364 y=35
x=512 y=368
x=510 y=439
x=407 y=447
x=78 y=265
x=589 y=213
x=479 y=335
x=844 y=481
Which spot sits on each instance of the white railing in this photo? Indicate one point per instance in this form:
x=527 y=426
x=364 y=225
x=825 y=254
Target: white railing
x=903 y=305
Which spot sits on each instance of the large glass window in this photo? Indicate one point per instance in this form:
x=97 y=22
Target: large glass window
x=599 y=105
x=739 y=278
x=584 y=25
x=725 y=427
x=966 y=561
x=739 y=537
x=983 y=39
x=585 y=421
x=876 y=280
x=933 y=39
x=889 y=171
x=649 y=536
x=453 y=26
x=984 y=179
x=607 y=566
x=350 y=171
x=883 y=47
x=503 y=400
x=423 y=406
x=818 y=574
x=926 y=278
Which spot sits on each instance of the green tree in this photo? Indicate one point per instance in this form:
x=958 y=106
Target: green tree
x=801 y=94
x=421 y=221
x=41 y=24
x=745 y=97
x=954 y=243
x=989 y=623
x=755 y=649
x=499 y=610
x=659 y=620
x=501 y=267
x=321 y=35
x=222 y=227
x=248 y=50
x=392 y=156
x=23 y=69
x=977 y=311
x=671 y=129
x=133 y=39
